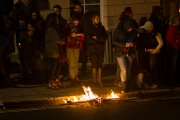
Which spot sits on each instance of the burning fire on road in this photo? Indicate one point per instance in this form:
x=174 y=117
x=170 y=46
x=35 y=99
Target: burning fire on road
x=91 y=97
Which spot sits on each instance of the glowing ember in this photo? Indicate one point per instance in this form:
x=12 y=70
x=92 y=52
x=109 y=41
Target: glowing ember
x=113 y=95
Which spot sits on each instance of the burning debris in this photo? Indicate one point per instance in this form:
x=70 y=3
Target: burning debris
x=91 y=97
x=113 y=95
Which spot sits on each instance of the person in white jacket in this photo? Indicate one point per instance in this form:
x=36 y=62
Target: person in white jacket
x=153 y=45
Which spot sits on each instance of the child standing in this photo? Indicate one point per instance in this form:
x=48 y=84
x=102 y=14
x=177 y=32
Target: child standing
x=74 y=36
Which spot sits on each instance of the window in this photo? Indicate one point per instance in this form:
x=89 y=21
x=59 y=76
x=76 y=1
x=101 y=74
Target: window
x=88 y=5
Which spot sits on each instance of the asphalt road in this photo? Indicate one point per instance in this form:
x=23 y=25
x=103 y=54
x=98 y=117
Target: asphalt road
x=162 y=109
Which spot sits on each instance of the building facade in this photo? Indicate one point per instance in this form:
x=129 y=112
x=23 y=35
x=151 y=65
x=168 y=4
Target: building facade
x=109 y=10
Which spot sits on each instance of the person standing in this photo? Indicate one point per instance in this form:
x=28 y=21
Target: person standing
x=39 y=25
x=84 y=22
x=52 y=40
x=96 y=38
x=74 y=36
x=25 y=45
x=127 y=14
x=159 y=24
x=153 y=45
x=173 y=42
x=124 y=40
x=61 y=24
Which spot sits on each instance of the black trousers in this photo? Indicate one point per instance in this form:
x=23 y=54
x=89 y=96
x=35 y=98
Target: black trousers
x=55 y=68
x=96 y=59
x=151 y=65
x=27 y=65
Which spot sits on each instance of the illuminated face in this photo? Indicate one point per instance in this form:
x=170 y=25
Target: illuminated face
x=96 y=20
x=34 y=16
x=21 y=22
x=76 y=22
x=78 y=9
x=57 y=11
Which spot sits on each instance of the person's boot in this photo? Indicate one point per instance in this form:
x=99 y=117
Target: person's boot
x=78 y=82
x=73 y=82
x=99 y=78
x=125 y=87
x=94 y=76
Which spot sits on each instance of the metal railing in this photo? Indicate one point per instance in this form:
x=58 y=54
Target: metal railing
x=109 y=51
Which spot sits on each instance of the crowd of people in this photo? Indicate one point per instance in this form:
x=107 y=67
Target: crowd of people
x=148 y=51
x=51 y=48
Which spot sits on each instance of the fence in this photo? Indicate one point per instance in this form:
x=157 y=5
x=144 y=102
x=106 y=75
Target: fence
x=109 y=51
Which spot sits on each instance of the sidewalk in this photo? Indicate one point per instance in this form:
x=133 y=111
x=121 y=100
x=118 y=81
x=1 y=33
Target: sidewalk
x=39 y=95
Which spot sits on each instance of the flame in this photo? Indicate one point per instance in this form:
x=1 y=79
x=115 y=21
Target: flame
x=89 y=95
x=75 y=99
x=113 y=95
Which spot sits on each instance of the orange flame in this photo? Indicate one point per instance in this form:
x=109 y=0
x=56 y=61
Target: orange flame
x=89 y=95
x=113 y=95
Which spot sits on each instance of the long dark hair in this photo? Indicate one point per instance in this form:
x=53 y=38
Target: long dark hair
x=37 y=13
x=51 y=21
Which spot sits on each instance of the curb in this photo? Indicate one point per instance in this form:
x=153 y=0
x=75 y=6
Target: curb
x=53 y=101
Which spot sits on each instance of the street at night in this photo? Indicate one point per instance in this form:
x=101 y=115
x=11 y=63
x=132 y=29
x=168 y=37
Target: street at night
x=146 y=109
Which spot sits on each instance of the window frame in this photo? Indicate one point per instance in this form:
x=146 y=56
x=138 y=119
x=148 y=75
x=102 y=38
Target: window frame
x=100 y=6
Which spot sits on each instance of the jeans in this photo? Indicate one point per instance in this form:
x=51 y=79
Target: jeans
x=73 y=57
x=151 y=65
x=171 y=63
x=125 y=63
x=96 y=59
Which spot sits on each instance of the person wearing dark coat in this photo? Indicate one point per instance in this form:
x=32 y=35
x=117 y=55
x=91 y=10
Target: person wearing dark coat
x=61 y=23
x=124 y=39
x=96 y=38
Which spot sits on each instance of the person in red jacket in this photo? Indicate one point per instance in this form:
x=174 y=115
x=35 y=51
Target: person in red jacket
x=173 y=41
x=74 y=37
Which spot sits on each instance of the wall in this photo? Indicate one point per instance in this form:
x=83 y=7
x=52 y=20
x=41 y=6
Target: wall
x=113 y=8
x=65 y=8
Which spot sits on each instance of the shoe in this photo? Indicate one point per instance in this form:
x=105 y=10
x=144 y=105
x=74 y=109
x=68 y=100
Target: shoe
x=76 y=79
x=73 y=83
x=153 y=86
x=118 y=83
x=52 y=85
x=125 y=86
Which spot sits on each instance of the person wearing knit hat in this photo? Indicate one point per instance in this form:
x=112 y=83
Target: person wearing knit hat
x=148 y=26
x=153 y=45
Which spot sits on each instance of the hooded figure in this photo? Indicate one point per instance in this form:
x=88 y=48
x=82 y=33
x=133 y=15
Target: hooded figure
x=124 y=41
